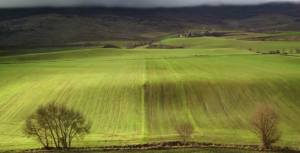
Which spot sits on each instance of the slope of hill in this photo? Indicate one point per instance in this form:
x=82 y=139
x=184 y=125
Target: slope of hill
x=289 y=36
x=138 y=95
x=61 y=29
x=67 y=25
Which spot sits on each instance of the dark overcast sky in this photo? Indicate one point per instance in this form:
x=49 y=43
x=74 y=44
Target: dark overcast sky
x=126 y=3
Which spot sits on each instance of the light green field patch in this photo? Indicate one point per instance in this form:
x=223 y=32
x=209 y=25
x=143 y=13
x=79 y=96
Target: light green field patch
x=286 y=34
x=211 y=42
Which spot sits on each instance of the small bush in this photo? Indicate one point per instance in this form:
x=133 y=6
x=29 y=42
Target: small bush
x=184 y=130
x=277 y=52
x=111 y=46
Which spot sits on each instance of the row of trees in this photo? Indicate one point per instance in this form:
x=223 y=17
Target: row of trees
x=59 y=125
x=290 y=51
x=150 y=41
x=263 y=122
x=282 y=51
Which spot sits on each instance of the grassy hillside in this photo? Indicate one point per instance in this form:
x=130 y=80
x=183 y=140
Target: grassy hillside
x=69 y=25
x=210 y=42
x=267 y=22
x=136 y=96
x=50 y=29
x=286 y=34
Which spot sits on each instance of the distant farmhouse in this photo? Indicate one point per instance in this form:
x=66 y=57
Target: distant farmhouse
x=187 y=34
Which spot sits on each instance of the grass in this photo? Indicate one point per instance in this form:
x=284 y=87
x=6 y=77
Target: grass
x=285 y=34
x=136 y=96
x=211 y=43
x=40 y=50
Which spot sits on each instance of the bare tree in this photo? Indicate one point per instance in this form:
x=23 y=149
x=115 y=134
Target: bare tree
x=264 y=122
x=33 y=128
x=56 y=123
x=185 y=130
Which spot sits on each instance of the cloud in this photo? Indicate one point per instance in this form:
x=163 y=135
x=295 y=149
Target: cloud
x=125 y=3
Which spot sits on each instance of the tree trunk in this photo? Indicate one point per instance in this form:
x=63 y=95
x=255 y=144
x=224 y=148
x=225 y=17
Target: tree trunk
x=46 y=138
x=69 y=143
x=265 y=144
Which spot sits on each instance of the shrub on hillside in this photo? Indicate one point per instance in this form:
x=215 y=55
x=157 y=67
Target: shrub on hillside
x=111 y=46
x=277 y=52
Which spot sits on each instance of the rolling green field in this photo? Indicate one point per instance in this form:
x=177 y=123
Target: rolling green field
x=286 y=34
x=137 y=96
x=213 y=43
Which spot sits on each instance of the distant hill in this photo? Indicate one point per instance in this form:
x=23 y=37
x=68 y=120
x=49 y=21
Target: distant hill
x=66 y=25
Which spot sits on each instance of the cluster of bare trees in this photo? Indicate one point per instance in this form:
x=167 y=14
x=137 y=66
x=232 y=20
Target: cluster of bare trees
x=150 y=41
x=56 y=124
x=263 y=122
